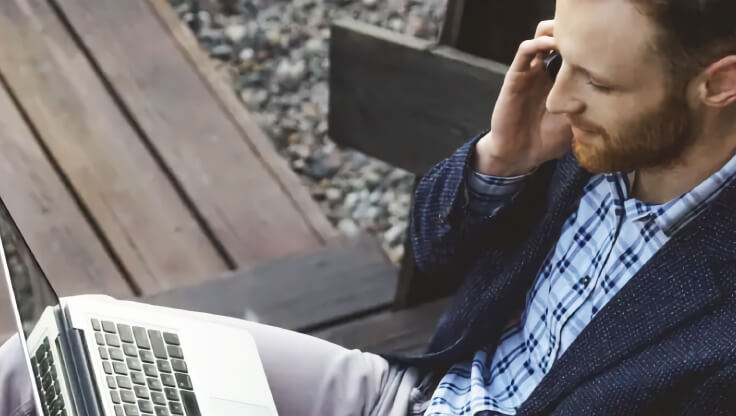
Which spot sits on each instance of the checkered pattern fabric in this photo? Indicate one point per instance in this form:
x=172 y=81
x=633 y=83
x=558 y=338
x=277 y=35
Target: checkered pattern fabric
x=602 y=245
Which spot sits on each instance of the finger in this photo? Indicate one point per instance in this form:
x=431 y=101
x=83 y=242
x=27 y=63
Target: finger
x=545 y=28
x=529 y=49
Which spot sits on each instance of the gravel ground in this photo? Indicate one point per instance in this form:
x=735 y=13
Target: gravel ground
x=277 y=52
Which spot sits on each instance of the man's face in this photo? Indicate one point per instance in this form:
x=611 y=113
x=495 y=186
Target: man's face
x=613 y=91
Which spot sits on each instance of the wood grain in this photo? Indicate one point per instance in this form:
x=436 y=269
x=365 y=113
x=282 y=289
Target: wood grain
x=238 y=197
x=404 y=100
x=406 y=331
x=148 y=226
x=298 y=292
x=220 y=83
x=63 y=242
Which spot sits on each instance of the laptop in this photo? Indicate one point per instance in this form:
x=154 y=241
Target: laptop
x=95 y=355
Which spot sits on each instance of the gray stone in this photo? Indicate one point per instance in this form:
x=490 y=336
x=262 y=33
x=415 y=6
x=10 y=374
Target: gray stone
x=222 y=51
x=333 y=194
x=348 y=227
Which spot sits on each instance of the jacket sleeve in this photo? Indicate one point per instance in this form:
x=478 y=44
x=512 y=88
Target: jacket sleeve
x=453 y=208
x=716 y=396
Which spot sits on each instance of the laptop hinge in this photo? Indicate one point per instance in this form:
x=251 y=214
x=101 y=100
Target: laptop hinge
x=79 y=369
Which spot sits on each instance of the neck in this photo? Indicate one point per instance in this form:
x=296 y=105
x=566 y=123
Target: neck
x=698 y=163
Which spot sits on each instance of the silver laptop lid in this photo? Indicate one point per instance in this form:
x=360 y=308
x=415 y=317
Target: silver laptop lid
x=30 y=291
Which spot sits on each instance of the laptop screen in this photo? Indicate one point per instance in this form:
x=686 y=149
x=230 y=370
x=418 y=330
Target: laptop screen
x=33 y=293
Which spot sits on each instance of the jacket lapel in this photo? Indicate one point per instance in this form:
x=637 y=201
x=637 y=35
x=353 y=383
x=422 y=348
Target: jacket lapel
x=678 y=283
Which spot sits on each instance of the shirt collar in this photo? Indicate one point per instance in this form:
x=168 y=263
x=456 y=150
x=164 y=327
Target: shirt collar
x=673 y=215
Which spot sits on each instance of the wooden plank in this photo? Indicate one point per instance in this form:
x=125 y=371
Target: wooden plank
x=157 y=239
x=220 y=83
x=406 y=331
x=494 y=29
x=239 y=198
x=298 y=292
x=452 y=24
x=63 y=242
x=404 y=100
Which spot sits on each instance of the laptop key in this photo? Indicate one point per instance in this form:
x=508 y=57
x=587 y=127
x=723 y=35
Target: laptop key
x=150 y=370
x=174 y=351
x=147 y=356
x=120 y=368
x=155 y=384
x=145 y=406
x=131 y=410
x=126 y=333
x=116 y=354
x=141 y=392
x=183 y=381
x=119 y=411
x=171 y=339
x=96 y=324
x=111 y=382
x=164 y=366
x=190 y=403
x=130 y=350
x=107 y=367
x=158 y=398
x=103 y=353
x=123 y=382
x=108 y=326
x=133 y=363
x=176 y=408
x=179 y=365
x=141 y=339
x=138 y=378
x=115 y=396
x=127 y=396
x=99 y=338
x=168 y=380
x=157 y=342
x=161 y=411
x=171 y=394
x=112 y=340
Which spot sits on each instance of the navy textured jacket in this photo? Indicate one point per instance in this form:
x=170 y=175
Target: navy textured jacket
x=665 y=344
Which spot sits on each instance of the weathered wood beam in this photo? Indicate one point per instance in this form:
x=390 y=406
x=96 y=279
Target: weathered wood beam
x=404 y=100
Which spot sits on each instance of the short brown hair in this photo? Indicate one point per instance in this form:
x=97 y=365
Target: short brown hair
x=692 y=34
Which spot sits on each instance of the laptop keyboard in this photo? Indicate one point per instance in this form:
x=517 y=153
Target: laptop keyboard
x=47 y=380
x=145 y=370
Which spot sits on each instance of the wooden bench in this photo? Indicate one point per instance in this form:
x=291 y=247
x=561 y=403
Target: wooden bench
x=412 y=103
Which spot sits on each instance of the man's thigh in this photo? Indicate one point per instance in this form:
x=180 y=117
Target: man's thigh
x=310 y=376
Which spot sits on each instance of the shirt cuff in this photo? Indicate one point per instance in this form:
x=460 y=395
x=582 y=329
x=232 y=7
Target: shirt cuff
x=487 y=194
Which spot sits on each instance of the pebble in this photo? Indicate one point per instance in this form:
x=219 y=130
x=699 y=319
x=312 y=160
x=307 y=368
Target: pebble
x=236 y=33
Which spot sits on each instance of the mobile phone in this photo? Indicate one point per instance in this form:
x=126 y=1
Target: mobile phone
x=552 y=64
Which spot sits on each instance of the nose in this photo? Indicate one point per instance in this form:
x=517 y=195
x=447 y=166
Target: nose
x=561 y=98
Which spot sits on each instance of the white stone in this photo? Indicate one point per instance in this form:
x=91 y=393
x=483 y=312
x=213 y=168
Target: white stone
x=236 y=33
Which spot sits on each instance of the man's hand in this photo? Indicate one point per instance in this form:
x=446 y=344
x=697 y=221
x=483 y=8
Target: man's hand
x=523 y=134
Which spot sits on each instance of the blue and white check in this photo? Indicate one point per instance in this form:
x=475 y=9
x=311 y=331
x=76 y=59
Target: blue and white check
x=602 y=245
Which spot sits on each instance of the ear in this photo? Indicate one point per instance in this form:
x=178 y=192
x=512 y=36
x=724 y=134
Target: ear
x=719 y=88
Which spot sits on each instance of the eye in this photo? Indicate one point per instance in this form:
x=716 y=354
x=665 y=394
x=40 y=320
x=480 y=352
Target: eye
x=599 y=87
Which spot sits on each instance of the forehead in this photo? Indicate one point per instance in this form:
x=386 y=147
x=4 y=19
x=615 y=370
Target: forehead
x=608 y=37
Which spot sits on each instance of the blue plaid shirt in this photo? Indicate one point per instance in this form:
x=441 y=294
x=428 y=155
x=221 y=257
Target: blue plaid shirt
x=602 y=245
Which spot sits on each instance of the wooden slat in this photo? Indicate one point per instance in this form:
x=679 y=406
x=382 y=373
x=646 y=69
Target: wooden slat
x=157 y=239
x=220 y=83
x=494 y=29
x=247 y=209
x=57 y=232
x=298 y=292
x=406 y=331
x=404 y=100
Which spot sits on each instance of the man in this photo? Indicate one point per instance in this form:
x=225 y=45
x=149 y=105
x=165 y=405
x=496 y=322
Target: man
x=598 y=282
